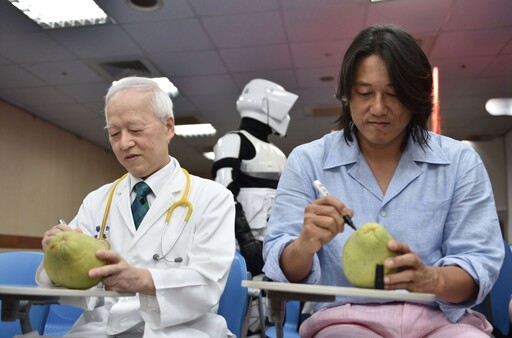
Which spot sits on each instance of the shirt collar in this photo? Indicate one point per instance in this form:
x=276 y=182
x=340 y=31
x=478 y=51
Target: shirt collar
x=157 y=180
x=340 y=153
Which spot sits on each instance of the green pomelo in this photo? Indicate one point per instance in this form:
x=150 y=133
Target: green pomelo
x=69 y=257
x=364 y=249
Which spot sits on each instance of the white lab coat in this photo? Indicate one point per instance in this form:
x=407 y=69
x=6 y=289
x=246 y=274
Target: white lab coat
x=187 y=293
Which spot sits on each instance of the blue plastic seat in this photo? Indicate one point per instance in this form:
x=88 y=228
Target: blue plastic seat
x=496 y=305
x=234 y=299
x=60 y=319
x=19 y=268
x=291 y=322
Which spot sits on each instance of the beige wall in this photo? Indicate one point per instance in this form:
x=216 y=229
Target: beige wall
x=45 y=172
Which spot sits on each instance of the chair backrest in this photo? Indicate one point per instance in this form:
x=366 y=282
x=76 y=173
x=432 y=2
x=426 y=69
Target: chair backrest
x=501 y=292
x=291 y=321
x=234 y=299
x=496 y=306
x=19 y=268
x=61 y=318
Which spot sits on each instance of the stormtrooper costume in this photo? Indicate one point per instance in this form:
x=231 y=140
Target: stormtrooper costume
x=250 y=166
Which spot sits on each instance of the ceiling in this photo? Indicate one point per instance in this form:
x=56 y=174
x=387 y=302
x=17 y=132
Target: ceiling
x=211 y=48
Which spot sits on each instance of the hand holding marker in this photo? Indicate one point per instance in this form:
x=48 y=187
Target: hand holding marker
x=323 y=191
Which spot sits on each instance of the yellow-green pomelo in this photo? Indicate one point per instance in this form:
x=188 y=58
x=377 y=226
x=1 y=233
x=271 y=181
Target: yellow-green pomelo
x=69 y=257
x=363 y=250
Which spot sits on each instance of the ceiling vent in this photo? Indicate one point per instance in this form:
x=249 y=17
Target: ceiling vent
x=115 y=70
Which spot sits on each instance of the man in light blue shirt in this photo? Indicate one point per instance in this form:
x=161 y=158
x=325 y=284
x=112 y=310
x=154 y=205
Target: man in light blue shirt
x=431 y=193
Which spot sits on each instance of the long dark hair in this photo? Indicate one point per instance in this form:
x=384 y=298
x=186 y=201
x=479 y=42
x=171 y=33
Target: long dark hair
x=409 y=70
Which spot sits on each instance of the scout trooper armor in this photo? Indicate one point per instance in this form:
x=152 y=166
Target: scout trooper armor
x=250 y=166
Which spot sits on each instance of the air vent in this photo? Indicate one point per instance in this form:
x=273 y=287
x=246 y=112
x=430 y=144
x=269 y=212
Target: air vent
x=116 y=69
x=125 y=68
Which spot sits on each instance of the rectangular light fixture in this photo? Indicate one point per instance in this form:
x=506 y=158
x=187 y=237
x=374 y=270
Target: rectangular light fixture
x=51 y=14
x=195 y=130
x=165 y=84
x=499 y=106
x=210 y=155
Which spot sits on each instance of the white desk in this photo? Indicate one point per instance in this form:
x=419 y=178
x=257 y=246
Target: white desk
x=13 y=296
x=279 y=293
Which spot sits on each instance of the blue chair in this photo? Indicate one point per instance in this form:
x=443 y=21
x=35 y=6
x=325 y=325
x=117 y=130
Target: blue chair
x=496 y=305
x=234 y=300
x=60 y=319
x=19 y=268
x=291 y=322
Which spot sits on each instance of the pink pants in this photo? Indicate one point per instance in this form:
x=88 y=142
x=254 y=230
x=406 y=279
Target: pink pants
x=391 y=320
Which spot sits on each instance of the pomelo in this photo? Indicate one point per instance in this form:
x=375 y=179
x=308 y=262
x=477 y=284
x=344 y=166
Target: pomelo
x=363 y=250
x=69 y=257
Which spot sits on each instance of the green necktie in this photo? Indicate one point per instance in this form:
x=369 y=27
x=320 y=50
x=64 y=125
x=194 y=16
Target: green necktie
x=140 y=205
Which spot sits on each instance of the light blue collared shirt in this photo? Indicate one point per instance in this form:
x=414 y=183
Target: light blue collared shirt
x=439 y=202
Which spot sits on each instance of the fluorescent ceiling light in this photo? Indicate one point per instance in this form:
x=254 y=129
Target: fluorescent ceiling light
x=194 y=130
x=165 y=84
x=51 y=14
x=210 y=155
x=499 y=107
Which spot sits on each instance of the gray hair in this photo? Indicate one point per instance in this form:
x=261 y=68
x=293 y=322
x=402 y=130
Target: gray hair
x=161 y=102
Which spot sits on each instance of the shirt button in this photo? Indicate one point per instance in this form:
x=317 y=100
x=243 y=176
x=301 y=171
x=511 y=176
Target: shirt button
x=383 y=213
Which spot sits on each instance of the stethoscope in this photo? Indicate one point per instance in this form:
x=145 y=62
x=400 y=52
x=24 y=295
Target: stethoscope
x=183 y=201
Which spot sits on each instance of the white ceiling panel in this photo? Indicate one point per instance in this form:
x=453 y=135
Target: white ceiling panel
x=286 y=78
x=319 y=54
x=183 y=35
x=64 y=72
x=53 y=112
x=231 y=7
x=480 y=14
x=24 y=47
x=35 y=96
x=96 y=41
x=308 y=4
x=176 y=64
x=500 y=66
x=17 y=77
x=310 y=77
x=471 y=43
x=207 y=85
x=211 y=49
x=220 y=102
x=246 y=29
x=421 y=16
x=324 y=24
x=462 y=68
x=263 y=58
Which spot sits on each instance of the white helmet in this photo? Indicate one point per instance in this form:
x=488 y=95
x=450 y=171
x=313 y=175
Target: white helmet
x=268 y=103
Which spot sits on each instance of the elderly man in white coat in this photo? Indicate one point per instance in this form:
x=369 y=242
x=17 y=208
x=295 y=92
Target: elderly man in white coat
x=177 y=267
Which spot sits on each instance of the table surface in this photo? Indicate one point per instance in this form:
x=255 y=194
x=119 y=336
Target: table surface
x=31 y=290
x=326 y=290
